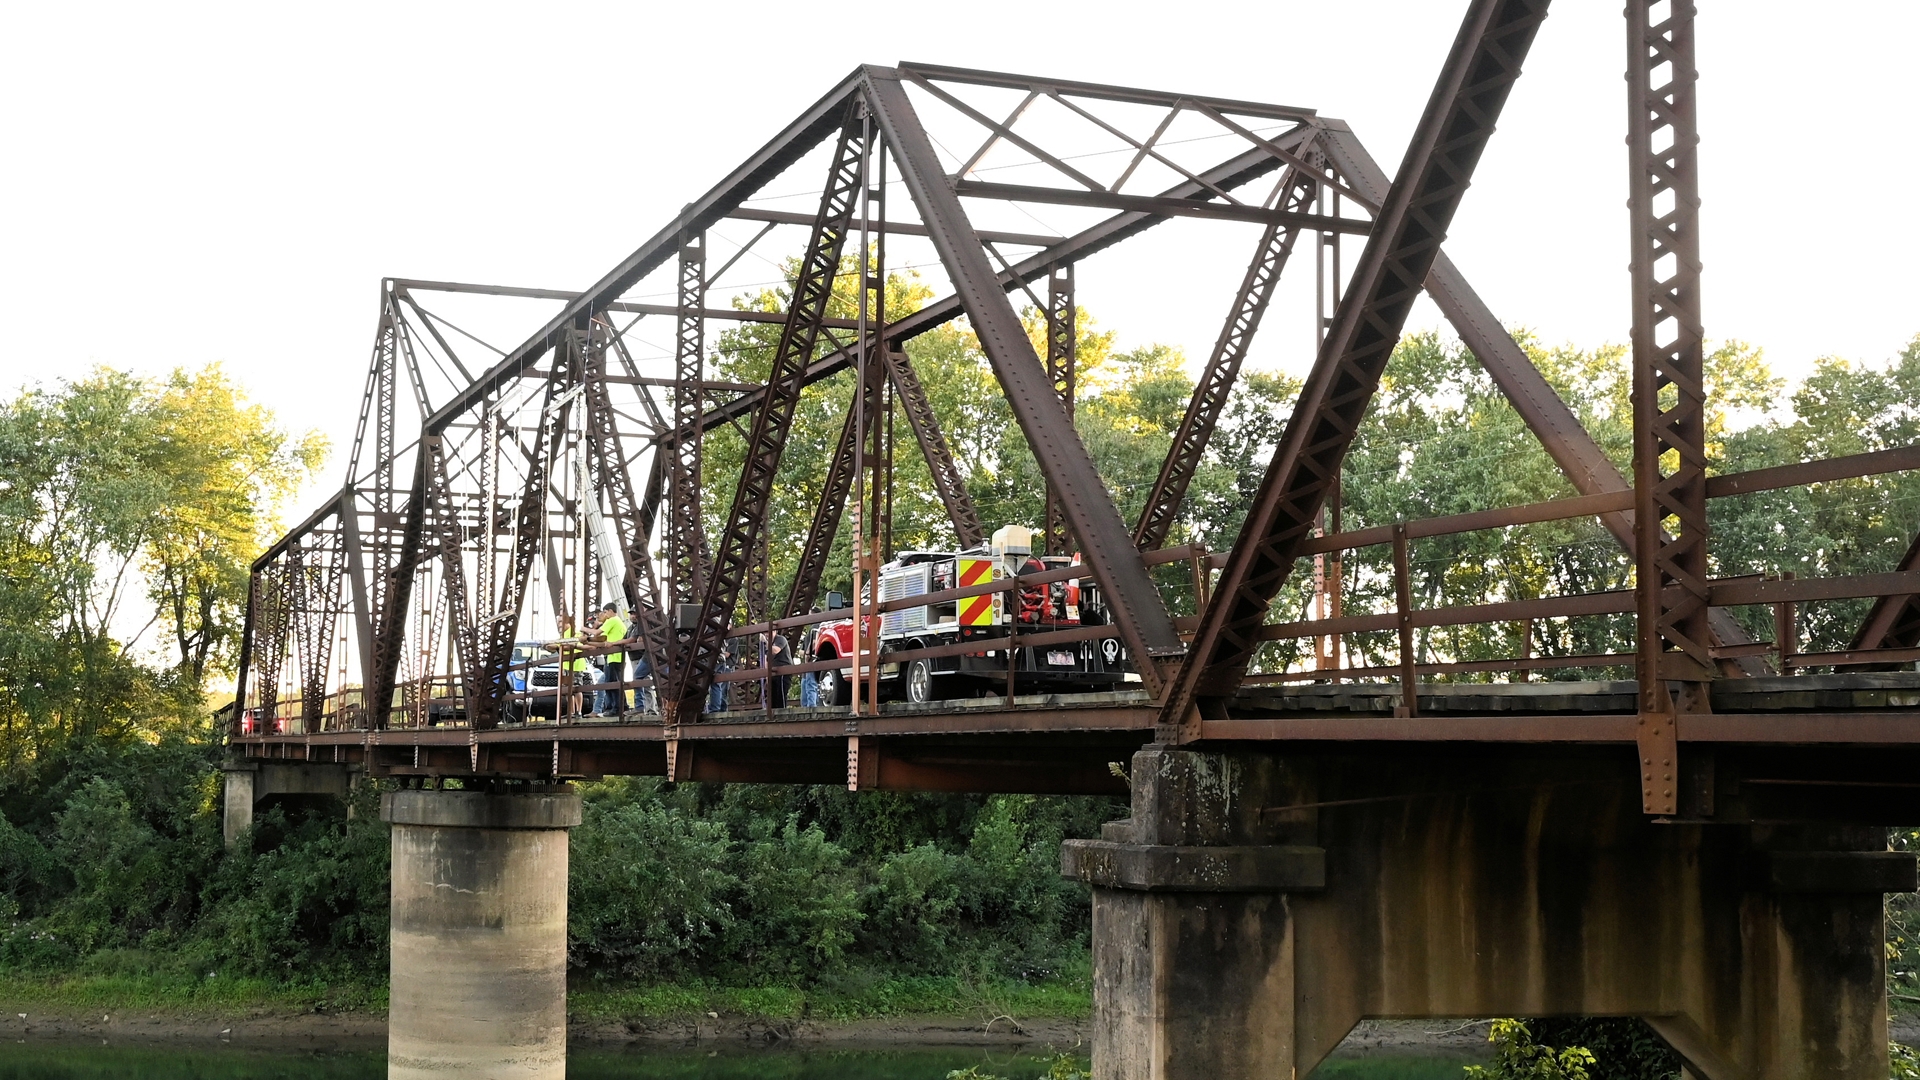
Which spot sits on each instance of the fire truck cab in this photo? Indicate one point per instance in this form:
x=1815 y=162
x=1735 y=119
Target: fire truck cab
x=1082 y=666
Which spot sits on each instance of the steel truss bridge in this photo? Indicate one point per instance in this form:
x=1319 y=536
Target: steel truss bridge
x=491 y=489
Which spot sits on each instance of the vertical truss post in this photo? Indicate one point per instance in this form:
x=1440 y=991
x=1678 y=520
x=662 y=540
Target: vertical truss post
x=379 y=546
x=766 y=439
x=686 y=533
x=1062 y=344
x=1403 y=614
x=1459 y=119
x=1138 y=610
x=868 y=457
x=1669 y=392
x=1297 y=188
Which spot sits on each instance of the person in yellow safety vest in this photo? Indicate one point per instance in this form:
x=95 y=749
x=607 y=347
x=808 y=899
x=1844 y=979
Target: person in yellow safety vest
x=613 y=628
x=571 y=662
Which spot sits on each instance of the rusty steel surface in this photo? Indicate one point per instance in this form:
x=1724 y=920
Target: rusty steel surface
x=387 y=628
x=746 y=520
x=1391 y=273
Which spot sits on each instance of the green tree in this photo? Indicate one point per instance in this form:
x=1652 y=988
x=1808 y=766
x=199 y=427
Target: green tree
x=116 y=490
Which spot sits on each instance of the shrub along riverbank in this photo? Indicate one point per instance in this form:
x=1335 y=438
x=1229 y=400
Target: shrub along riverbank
x=785 y=902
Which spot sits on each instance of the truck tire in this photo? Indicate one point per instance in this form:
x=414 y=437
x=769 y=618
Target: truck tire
x=918 y=682
x=835 y=689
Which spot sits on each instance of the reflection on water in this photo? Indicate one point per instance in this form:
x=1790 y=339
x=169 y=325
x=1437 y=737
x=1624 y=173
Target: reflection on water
x=65 y=1062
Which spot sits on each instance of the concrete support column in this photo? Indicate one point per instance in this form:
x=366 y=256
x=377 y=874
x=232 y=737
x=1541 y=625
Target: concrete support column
x=1193 y=930
x=479 y=976
x=1255 y=907
x=236 y=806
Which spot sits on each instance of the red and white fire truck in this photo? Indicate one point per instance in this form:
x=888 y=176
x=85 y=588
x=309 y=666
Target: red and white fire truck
x=1083 y=666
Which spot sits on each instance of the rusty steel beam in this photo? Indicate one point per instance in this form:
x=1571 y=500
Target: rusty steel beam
x=1674 y=640
x=1393 y=269
x=686 y=530
x=746 y=520
x=1062 y=345
x=1298 y=189
x=1104 y=540
x=1162 y=206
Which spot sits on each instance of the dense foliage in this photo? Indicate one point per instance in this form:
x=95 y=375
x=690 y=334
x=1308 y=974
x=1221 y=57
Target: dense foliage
x=1517 y=1055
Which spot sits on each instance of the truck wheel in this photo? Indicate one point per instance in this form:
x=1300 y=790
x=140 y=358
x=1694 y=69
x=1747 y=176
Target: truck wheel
x=834 y=687
x=919 y=682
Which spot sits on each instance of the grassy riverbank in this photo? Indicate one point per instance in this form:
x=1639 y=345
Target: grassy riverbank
x=592 y=1001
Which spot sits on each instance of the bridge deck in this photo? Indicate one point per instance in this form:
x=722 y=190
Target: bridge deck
x=1064 y=742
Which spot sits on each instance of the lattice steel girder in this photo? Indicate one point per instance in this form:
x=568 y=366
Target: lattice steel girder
x=1298 y=188
x=1669 y=391
x=686 y=535
x=1062 y=344
x=1163 y=206
x=746 y=519
x=1412 y=223
x=1126 y=584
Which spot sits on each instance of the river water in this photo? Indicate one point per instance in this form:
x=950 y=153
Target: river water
x=44 y=1061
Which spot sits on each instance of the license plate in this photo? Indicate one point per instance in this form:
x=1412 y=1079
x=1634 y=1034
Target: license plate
x=1060 y=658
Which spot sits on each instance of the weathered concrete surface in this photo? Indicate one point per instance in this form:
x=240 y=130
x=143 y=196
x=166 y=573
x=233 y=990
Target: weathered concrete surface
x=250 y=785
x=479 y=972
x=1477 y=883
x=236 y=807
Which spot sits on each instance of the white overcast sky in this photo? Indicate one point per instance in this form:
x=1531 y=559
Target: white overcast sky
x=190 y=182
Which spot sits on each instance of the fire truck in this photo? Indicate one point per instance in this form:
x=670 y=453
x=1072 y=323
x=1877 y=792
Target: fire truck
x=1079 y=666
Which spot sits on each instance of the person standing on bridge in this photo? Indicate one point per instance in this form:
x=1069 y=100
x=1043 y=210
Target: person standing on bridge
x=779 y=654
x=717 y=693
x=613 y=630
x=573 y=670
x=809 y=683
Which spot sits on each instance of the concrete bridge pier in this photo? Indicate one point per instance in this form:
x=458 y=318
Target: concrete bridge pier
x=251 y=785
x=479 y=976
x=1256 y=906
